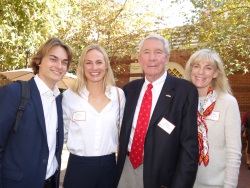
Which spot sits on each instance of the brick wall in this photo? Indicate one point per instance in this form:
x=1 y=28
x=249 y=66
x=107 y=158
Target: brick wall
x=241 y=90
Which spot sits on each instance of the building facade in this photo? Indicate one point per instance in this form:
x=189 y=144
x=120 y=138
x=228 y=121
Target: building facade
x=239 y=81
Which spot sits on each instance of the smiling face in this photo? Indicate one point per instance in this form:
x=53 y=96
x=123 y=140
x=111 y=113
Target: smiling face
x=153 y=59
x=53 y=66
x=202 y=74
x=94 y=66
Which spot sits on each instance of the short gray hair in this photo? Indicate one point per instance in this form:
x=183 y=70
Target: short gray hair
x=158 y=37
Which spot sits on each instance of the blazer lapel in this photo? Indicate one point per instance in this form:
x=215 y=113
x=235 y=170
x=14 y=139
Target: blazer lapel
x=166 y=95
x=60 y=131
x=36 y=98
x=133 y=99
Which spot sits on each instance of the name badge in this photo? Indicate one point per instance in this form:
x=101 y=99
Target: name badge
x=166 y=125
x=215 y=116
x=79 y=116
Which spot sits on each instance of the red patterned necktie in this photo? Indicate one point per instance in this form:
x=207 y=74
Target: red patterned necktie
x=137 y=147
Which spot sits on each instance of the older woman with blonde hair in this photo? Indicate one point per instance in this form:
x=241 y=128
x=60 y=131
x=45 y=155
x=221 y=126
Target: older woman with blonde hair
x=92 y=110
x=219 y=123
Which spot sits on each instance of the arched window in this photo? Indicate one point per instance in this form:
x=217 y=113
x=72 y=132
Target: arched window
x=175 y=69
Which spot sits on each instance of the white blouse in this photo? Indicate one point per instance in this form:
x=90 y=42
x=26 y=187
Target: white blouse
x=88 y=132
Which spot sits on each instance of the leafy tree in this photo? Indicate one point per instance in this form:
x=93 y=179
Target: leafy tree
x=20 y=22
x=222 y=25
x=24 y=26
x=117 y=25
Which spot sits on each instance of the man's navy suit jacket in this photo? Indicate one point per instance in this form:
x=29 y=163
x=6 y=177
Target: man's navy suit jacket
x=24 y=154
x=170 y=159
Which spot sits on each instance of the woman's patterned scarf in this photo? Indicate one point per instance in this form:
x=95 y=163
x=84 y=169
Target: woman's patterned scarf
x=204 y=111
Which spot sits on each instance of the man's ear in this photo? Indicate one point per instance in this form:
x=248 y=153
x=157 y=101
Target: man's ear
x=167 y=59
x=139 y=59
x=38 y=62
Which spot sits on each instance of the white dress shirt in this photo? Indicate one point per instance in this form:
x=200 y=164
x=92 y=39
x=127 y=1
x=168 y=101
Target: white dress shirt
x=50 y=115
x=88 y=132
x=156 y=90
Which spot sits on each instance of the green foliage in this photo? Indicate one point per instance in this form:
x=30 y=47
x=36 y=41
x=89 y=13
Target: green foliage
x=222 y=25
x=19 y=23
x=118 y=25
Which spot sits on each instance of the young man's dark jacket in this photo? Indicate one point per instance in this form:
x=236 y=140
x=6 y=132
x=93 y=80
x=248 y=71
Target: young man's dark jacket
x=24 y=154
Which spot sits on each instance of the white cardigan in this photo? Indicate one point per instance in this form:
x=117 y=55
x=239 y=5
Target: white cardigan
x=224 y=146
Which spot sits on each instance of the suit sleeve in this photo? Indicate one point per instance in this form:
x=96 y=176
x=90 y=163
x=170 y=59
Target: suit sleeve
x=188 y=153
x=9 y=103
x=122 y=104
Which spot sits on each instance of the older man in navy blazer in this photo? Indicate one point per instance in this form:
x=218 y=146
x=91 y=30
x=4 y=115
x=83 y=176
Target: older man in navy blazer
x=31 y=156
x=170 y=150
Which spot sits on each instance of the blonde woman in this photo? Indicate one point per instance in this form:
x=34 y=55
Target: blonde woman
x=219 y=123
x=91 y=117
